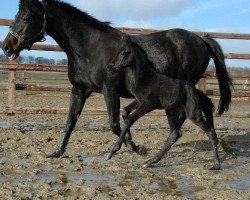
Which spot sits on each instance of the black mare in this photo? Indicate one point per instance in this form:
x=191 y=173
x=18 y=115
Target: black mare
x=156 y=91
x=90 y=46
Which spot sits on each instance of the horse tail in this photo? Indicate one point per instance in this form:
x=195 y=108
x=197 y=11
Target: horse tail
x=207 y=106
x=225 y=82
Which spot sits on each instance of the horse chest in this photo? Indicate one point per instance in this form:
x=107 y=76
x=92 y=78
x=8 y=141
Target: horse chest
x=81 y=78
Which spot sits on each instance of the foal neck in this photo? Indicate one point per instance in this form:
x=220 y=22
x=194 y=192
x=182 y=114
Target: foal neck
x=143 y=67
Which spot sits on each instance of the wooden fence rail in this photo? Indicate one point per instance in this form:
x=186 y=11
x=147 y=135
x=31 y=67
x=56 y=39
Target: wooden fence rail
x=12 y=86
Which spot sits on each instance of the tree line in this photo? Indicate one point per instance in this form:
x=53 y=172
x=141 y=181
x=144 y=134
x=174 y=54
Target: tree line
x=36 y=60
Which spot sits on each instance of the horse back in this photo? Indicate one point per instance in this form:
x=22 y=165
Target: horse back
x=177 y=53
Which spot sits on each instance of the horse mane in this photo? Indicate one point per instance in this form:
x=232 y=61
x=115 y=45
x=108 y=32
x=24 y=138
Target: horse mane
x=68 y=8
x=79 y=14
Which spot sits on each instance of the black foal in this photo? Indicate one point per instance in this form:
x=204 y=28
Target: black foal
x=156 y=91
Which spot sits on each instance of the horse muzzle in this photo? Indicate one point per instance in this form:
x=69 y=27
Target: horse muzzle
x=10 y=47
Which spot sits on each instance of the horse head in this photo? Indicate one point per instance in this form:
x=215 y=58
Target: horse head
x=28 y=27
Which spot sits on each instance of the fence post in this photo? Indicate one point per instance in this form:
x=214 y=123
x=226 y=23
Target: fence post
x=204 y=84
x=11 y=98
x=245 y=87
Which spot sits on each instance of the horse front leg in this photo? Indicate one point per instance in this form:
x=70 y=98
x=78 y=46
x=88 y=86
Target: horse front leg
x=77 y=100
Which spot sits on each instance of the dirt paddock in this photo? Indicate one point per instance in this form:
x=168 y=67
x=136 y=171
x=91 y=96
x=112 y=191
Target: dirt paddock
x=83 y=173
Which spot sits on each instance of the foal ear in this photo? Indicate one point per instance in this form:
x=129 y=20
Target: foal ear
x=126 y=38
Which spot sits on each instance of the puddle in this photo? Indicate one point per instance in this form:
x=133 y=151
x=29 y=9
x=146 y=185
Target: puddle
x=19 y=162
x=242 y=184
x=180 y=187
x=91 y=176
x=29 y=126
x=57 y=179
x=3 y=124
x=2 y=180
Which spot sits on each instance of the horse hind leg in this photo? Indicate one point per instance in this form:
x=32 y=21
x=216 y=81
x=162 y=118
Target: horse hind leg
x=197 y=118
x=175 y=124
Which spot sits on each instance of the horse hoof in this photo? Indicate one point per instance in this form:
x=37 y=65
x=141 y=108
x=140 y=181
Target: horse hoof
x=215 y=167
x=141 y=150
x=56 y=154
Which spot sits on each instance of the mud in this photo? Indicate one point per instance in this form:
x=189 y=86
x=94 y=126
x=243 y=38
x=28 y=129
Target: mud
x=83 y=172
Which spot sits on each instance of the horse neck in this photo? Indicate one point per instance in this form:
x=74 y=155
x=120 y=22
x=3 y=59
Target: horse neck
x=69 y=33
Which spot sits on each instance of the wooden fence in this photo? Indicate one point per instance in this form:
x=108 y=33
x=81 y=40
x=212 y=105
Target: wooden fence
x=13 y=67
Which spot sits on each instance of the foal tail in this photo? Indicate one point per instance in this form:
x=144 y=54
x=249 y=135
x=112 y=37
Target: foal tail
x=223 y=78
x=197 y=99
x=207 y=106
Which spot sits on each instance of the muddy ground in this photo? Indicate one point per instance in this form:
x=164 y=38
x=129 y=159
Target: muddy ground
x=83 y=173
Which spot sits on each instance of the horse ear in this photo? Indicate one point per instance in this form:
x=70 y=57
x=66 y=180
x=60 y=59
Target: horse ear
x=34 y=5
x=31 y=3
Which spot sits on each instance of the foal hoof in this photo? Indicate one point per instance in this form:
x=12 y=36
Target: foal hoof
x=109 y=156
x=148 y=164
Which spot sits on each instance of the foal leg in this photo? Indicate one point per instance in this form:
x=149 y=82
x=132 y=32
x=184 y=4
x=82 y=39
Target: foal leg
x=129 y=108
x=113 y=106
x=133 y=147
x=130 y=120
x=175 y=134
x=77 y=100
x=196 y=117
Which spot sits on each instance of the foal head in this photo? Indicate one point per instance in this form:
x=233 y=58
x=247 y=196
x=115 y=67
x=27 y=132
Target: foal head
x=124 y=57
